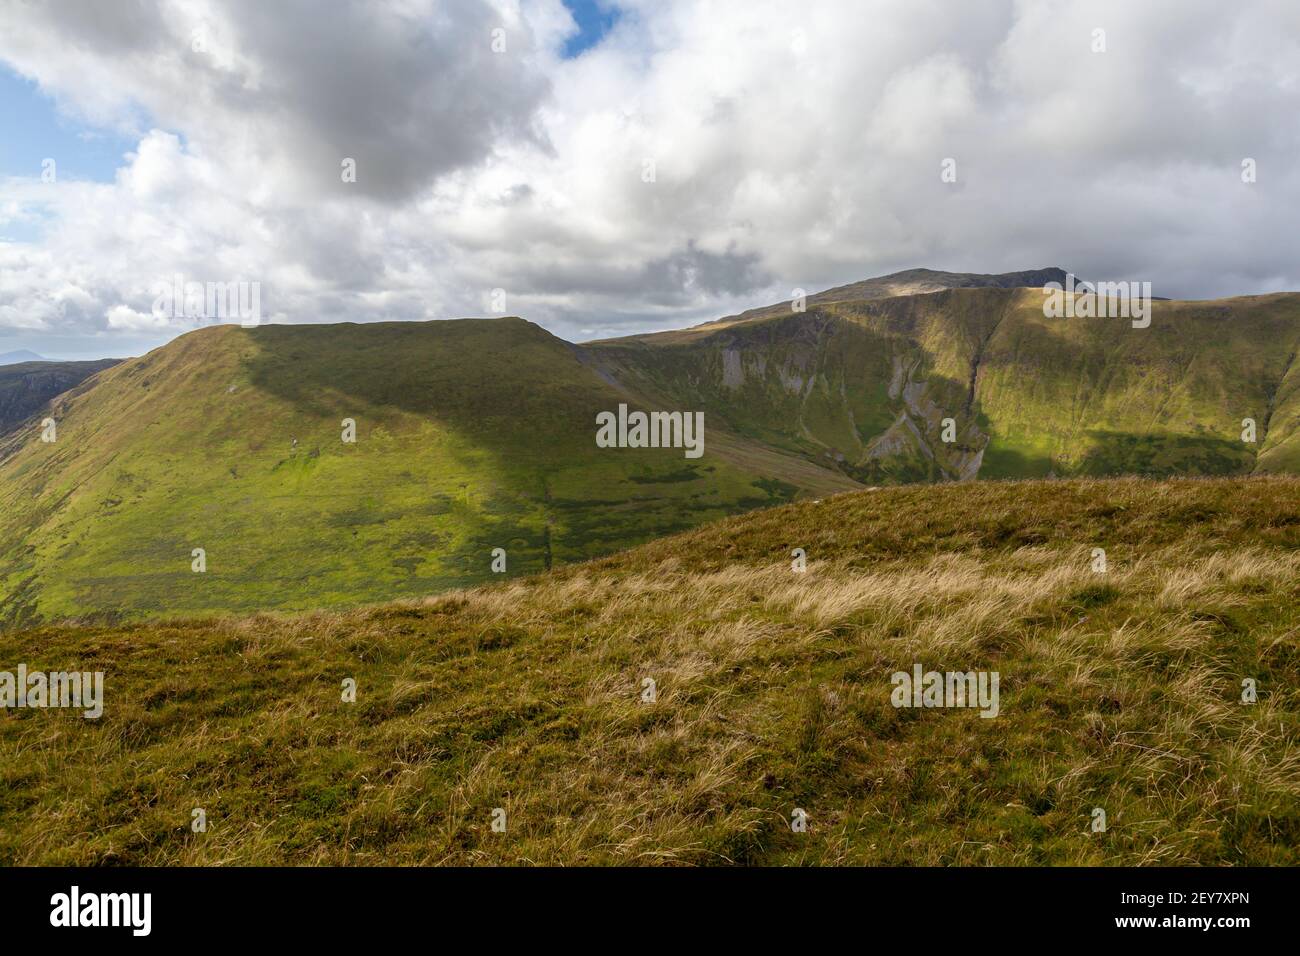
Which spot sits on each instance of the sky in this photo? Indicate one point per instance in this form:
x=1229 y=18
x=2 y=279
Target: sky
x=604 y=167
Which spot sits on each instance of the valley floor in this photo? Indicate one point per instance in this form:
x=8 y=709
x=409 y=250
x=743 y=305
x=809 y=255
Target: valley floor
x=1121 y=691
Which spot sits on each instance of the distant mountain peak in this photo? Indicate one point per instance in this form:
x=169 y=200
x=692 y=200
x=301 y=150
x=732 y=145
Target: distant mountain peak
x=1027 y=278
x=921 y=281
x=22 y=355
x=906 y=282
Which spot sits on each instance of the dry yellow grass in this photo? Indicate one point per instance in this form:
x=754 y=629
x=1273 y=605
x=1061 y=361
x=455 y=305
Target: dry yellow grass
x=1120 y=691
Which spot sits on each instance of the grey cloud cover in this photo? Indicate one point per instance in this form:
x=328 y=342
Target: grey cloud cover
x=794 y=144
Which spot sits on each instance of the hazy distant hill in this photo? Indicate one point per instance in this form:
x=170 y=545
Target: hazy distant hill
x=22 y=355
x=479 y=434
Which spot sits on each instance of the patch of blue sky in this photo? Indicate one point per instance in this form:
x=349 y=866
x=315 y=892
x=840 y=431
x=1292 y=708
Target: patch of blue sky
x=33 y=130
x=595 y=18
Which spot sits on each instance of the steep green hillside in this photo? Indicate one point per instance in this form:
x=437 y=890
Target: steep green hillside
x=25 y=387
x=1097 y=396
x=866 y=385
x=862 y=399
x=473 y=435
x=470 y=435
x=772 y=692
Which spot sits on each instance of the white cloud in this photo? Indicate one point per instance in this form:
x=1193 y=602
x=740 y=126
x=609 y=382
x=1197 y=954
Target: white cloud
x=124 y=317
x=794 y=144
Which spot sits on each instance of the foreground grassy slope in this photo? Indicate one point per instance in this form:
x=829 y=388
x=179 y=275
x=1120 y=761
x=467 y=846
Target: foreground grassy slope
x=1118 y=690
x=470 y=435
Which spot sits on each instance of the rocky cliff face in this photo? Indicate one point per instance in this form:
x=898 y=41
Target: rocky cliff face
x=27 y=386
x=979 y=381
x=867 y=402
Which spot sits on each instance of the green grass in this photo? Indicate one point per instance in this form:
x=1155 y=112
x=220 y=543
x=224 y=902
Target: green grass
x=479 y=434
x=1039 y=395
x=471 y=435
x=1120 y=691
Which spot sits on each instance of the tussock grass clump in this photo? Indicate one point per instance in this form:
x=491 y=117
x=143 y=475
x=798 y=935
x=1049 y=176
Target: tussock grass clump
x=1120 y=691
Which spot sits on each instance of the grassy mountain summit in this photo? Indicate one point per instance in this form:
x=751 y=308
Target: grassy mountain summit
x=907 y=282
x=1120 y=690
x=470 y=435
x=227 y=450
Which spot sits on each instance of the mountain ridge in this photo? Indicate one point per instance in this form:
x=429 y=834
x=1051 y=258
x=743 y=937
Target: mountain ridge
x=470 y=435
x=479 y=434
x=968 y=343
x=918 y=281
